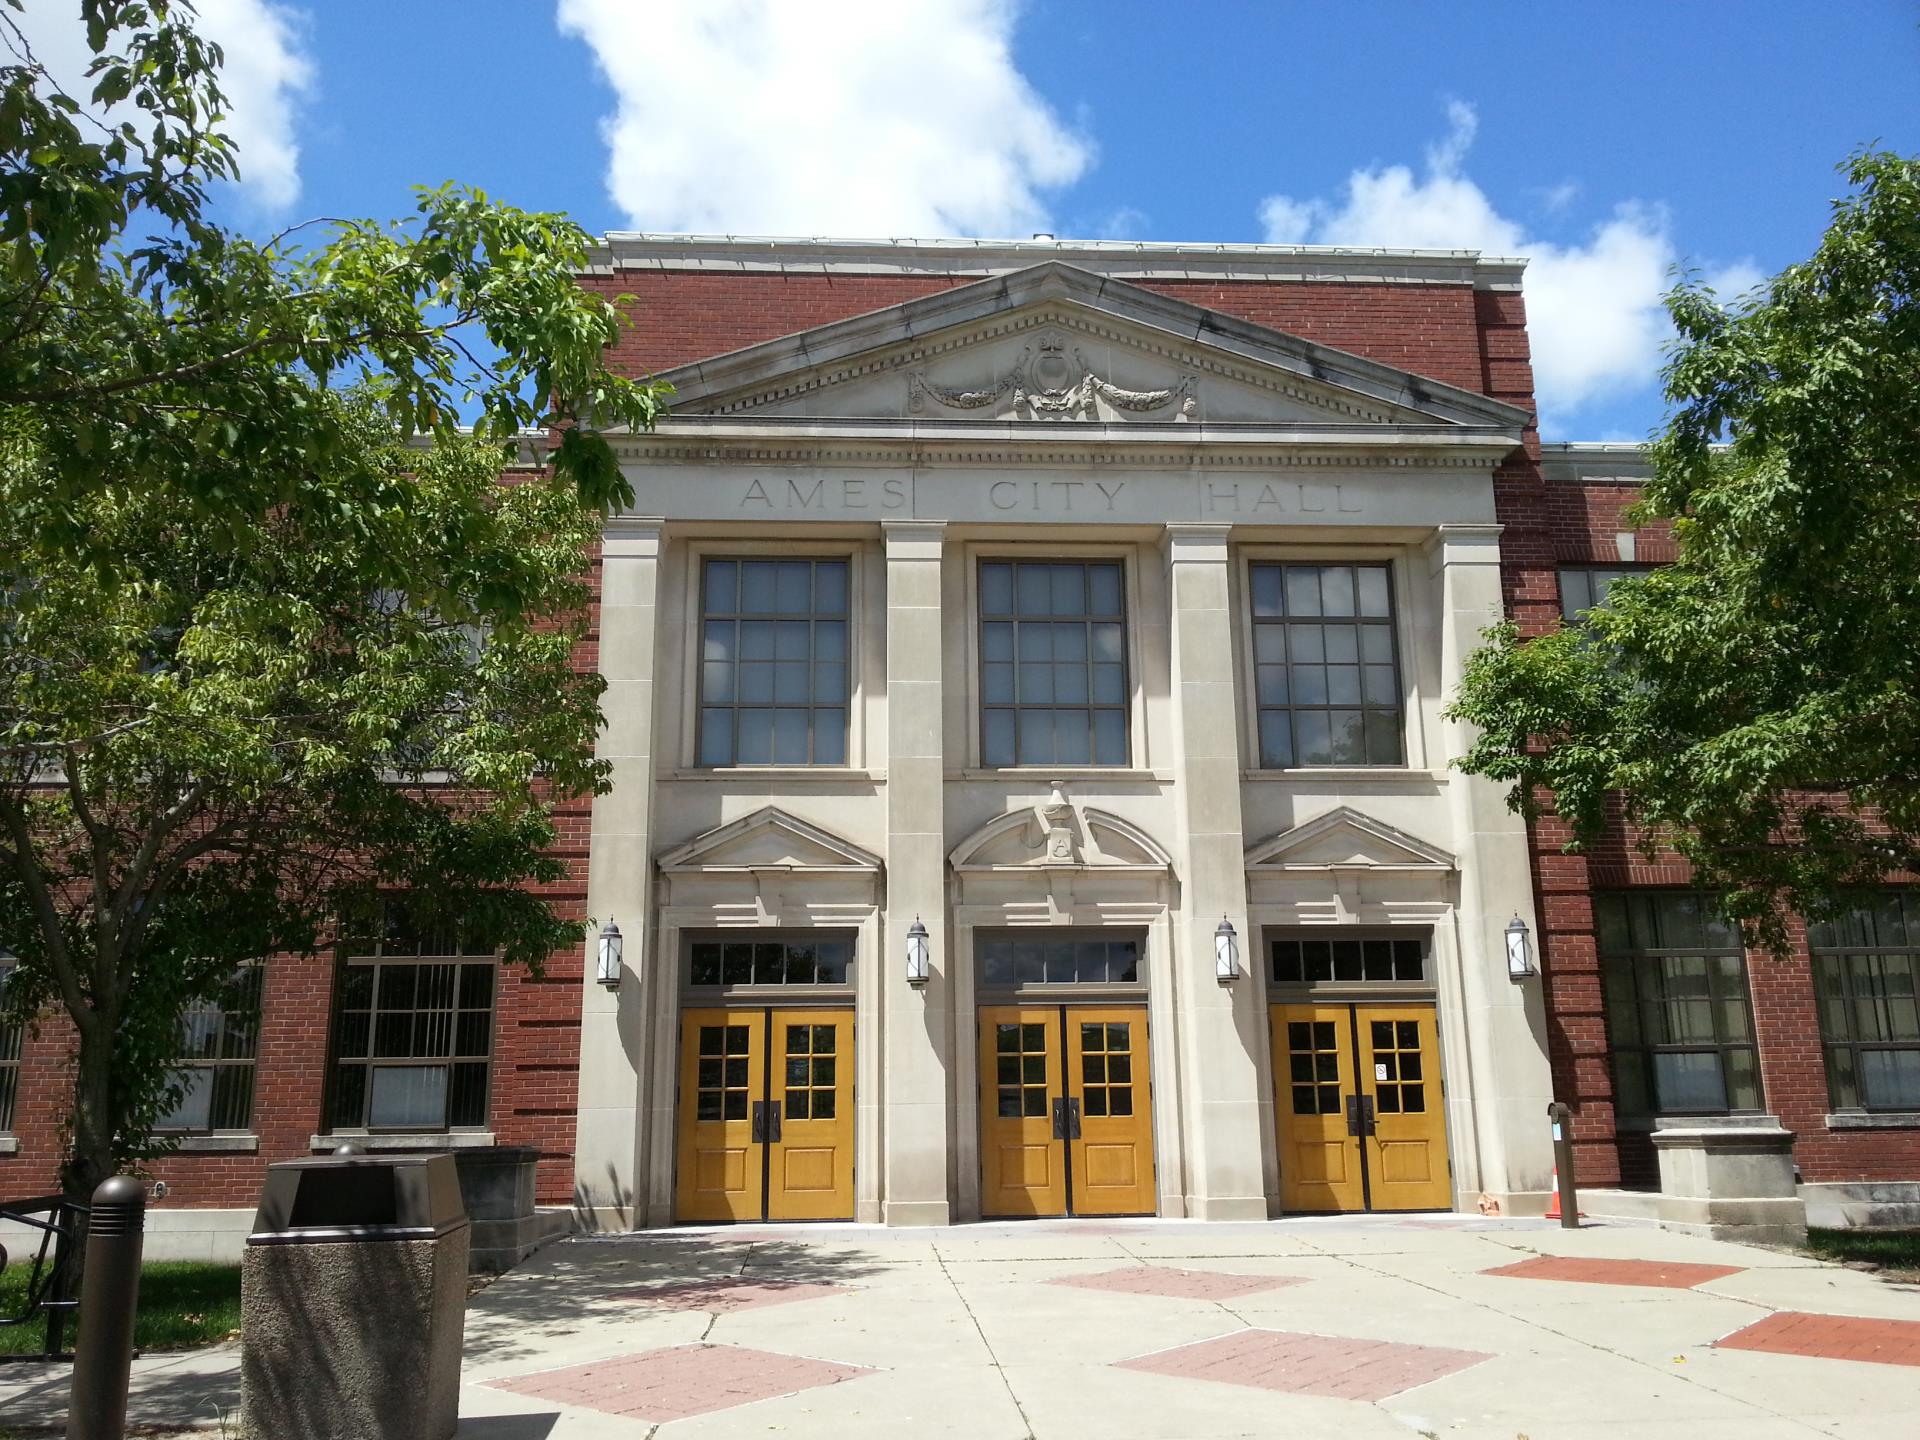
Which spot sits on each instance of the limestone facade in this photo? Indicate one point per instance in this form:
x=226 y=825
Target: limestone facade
x=1045 y=405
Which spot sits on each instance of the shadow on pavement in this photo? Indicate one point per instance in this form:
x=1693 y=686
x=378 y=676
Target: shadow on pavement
x=570 y=1285
x=508 y=1427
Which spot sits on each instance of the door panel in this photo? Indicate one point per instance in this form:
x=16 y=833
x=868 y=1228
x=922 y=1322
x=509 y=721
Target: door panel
x=1400 y=1073
x=1022 y=1165
x=810 y=1143
x=1312 y=1081
x=722 y=1081
x=1107 y=1077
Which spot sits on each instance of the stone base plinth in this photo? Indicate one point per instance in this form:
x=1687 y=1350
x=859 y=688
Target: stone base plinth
x=1731 y=1180
x=353 y=1338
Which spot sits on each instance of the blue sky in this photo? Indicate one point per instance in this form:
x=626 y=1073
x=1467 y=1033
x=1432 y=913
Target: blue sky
x=1610 y=142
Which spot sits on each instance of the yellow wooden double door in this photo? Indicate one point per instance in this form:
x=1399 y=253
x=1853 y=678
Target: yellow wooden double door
x=1066 y=1123
x=1357 y=1093
x=766 y=1115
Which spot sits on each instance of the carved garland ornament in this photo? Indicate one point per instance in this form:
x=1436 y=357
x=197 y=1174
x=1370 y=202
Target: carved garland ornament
x=1049 y=387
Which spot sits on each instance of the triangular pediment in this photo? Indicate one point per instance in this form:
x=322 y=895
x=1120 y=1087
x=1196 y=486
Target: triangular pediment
x=1346 y=839
x=1059 y=834
x=1057 y=343
x=768 y=839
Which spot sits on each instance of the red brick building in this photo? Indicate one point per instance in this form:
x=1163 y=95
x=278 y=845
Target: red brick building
x=1273 y=409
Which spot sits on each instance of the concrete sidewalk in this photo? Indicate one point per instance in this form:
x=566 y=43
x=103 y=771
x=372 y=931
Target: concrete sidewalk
x=1352 y=1327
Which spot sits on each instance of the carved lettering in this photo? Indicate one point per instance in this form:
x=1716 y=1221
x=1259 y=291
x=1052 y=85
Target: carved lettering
x=803 y=500
x=993 y=494
x=756 y=492
x=1113 y=494
x=896 y=493
x=853 y=493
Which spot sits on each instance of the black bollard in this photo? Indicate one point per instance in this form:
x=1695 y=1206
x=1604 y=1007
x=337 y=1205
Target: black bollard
x=109 y=1299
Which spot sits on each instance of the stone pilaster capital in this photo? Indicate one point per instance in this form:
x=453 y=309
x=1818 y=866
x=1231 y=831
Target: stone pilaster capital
x=1191 y=543
x=1465 y=545
x=633 y=537
x=913 y=539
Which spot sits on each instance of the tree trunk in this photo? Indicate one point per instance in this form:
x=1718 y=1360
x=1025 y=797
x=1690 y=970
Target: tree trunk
x=91 y=1159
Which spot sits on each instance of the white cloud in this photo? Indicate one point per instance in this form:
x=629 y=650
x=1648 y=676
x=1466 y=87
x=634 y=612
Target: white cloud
x=867 y=117
x=1593 y=309
x=265 y=74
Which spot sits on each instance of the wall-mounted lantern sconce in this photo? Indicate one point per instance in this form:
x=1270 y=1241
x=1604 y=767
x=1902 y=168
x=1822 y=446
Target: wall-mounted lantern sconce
x=919 y=954
x=1520 y=965
x=1226 y=952
x=610 y=948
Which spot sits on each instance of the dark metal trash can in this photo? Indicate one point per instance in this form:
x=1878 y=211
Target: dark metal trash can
x=353 y=1297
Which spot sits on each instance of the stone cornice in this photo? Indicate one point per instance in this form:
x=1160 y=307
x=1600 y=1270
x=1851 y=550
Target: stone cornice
x=743 y=440
x=1129 y=260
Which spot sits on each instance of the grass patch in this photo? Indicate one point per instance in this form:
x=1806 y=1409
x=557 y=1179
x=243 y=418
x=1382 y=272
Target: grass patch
x=1895 y=1251
x=183 y=1303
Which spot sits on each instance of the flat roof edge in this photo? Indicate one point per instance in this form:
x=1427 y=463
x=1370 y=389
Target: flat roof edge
x=639 y=249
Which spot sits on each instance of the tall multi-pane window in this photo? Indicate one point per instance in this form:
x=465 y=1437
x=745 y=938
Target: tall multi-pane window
x=1679 y=1020
x=1866 y=963
x=1053 y=663
x=219 y=1041
x=1325 y=678
x=1583 y=587
x=413 y=1034
x=9 y=1052
x=773 y=662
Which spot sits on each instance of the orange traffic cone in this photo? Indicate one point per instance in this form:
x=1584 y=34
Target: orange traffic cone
x=1553 y=1205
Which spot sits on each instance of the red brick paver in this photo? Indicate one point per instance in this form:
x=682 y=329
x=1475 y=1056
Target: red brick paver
x=1296 y=1364
x=1659 y=1274
x=686 y=1380
x=1831 y=1337
x=723 y=1297
x=1177 y=1284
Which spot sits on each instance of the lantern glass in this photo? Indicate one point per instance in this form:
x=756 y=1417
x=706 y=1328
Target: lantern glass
x=611 y=946
x=919 y=954
x=1226 y=952
x=1520 y=964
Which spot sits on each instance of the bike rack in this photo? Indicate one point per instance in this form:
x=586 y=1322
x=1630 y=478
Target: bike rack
x=49 y=1289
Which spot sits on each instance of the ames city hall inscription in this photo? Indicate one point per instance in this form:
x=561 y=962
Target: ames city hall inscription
x=1249 y=499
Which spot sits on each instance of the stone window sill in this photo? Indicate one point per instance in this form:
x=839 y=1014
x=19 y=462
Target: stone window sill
x=791 y=774
x=1874 y=1120
x=218 y=1144
x=439 y=1140
x=9 y=1144
x=1346 y=774
x=1048 y=773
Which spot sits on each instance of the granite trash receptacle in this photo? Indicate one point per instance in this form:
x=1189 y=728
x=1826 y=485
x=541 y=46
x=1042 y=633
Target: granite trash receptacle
x=353 y=1299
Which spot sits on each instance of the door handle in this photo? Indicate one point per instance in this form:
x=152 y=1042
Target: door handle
x=760 y=1121
x=1073 y=1119
x=1360 y=1120
x=1060 y=1120
x=773 y=1122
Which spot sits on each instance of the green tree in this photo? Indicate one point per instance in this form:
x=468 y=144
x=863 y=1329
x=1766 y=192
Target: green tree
x=1756 y=704
x=275 y=638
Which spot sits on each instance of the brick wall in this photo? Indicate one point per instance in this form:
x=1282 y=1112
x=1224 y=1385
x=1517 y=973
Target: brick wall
x=1433 y=330
x=1575 y=523
x=535 y=1079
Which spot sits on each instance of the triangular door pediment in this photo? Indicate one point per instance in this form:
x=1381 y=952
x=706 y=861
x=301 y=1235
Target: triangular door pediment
x=1059 y=834
x=768 y=839
x=1057 y=343
x=1346 y=839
